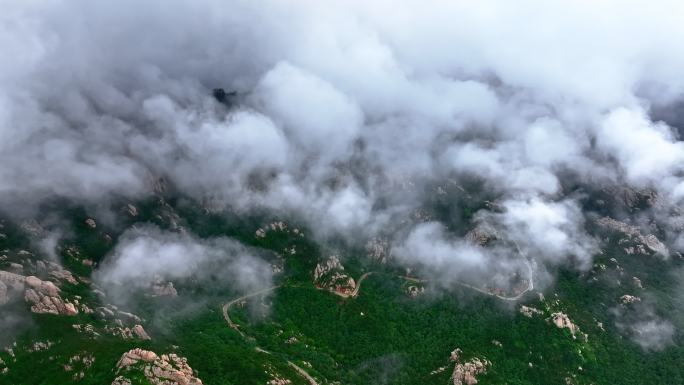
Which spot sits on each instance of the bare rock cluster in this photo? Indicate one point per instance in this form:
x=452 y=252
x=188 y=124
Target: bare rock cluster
x=627 y=299
x=44 y=296
x=330 y=275
x=128 y=333
x=132 y=210
x=414 y=291
x=562 y=321
x=481 y=235
x=630 y=198
x=277 y=226
x=163 y=289
x=87 y=329
x=378 y=249
x=45 y=299
x=276 y=378
x=529 y=311
x=4 y=297
x=78 y=364
x=467 y=372
x=167 y=369
x=643 y=242
x=55 y=271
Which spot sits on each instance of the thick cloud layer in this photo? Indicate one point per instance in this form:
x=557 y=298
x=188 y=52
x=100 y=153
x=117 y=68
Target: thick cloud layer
x=346 y=109
x=646 y=328
x=145 y=256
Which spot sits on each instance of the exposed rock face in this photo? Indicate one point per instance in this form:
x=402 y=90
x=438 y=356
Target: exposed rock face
x=121 y=380
x=140 y=332
x=167 y=369
x=378 y=249
x=4 y=297
x=91 y=223
x=127 y=333
x=132 y=210
x=44 y=296
x=630 y=198
x=279 y=381
x=329 y=275
x=12 y=281
x=414 y=291
x=529 y=311
x=562 y=321
x=16 y=268
x=79 y=364
x=132 y=357
x=87 y=329
x=276 y=226
x=481 y=235
x=54 y=271
x=650 y=241
x=163 y=289
x=465 y=373
x=40 y=345
x=626 y=299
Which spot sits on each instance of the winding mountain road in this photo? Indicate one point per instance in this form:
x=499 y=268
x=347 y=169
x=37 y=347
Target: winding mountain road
x=530 y=281
x=227 y=305
x=226 y=309
x=356 y=289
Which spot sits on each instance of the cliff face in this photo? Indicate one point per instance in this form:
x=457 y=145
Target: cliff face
x=330 y=275
x=466 y=373
x=167 y=369
x=44 y=296
x=633 y=239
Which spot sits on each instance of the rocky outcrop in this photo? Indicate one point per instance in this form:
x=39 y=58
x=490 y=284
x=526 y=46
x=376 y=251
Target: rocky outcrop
x=45 y=299
x=120 y=323
x=40 y=346
x=163 y=289
x=277 y=226
x=10 y=283
x=132 y=210
x=4 y=297
x=414 y=291
x=378 y=249
x=529 y=311
x=12 y=280
x=44 y=296
x=140 y=332
x=643 y=242
x=275 y=377
x=627 y=299
x=78 y=364
x=55 y=271
x=167 y=369
x=16 y=268
x=121 y=380
x=330 y=275
x=466 y=373
x=562 y=321
x=481 y=235
x=132 y=357
x=631 y=198
x=87 y=329
x=128 y=333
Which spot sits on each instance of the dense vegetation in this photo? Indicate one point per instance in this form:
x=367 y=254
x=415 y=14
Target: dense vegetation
x=383 y=336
